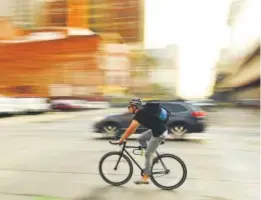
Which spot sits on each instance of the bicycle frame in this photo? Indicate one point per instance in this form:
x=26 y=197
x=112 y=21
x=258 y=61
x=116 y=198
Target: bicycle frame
x=134 y=161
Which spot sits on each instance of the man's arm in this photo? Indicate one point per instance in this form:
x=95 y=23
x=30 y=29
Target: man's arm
x=129 y=131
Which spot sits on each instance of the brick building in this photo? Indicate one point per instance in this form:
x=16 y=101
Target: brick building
x=123 y=17
x=102 y=16
x=50 y=62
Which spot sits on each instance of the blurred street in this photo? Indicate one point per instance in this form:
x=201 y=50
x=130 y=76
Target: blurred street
x=60 y=158
x=67 y=64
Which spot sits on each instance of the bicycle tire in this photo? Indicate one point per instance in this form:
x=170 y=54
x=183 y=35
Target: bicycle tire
x=182 y=180
x=123 y=156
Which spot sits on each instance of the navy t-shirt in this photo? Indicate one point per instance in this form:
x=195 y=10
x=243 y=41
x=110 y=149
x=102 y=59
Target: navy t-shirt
x=152 y=118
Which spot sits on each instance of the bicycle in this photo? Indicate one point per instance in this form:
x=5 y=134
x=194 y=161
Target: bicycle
x=124 y=156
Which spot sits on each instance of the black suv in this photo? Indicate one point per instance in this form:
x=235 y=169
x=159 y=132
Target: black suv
x=185 y=118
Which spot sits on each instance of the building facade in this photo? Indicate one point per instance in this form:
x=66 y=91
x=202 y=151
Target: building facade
x=77 y=13
x=102 y=16
x=54 y=13
x=242 y=58
x=6 y=8
x=123 y=17
x=50 y=62
x=22 y=13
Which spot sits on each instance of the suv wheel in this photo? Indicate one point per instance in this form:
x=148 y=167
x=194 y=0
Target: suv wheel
x=178 y=130
x=111 y=130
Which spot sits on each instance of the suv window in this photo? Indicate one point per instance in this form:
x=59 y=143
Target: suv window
x=171 y=107
x=196 y=108
x=193 y=107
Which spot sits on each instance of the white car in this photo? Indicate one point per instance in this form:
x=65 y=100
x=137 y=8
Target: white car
x=8 y=106
x=32 y=105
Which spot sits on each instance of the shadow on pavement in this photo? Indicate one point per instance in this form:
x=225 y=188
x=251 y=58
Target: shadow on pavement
x=109 y=192
x=96 y=194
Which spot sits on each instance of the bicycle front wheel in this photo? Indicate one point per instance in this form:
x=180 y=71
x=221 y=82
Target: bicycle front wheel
x=115 y=168
x=168 y=172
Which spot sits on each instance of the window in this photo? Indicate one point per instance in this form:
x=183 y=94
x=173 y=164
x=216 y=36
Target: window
x=174 y=107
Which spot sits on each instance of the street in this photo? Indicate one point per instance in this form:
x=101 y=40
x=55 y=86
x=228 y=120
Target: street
x=59 y=159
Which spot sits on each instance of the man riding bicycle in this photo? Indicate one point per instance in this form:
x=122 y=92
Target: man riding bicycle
x=155 y=118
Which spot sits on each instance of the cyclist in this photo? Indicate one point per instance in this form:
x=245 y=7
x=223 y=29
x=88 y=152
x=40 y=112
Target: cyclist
x=154 y=117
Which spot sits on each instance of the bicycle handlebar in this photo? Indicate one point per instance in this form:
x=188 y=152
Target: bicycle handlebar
x=117 y=143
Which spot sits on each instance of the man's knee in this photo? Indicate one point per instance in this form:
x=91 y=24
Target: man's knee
x=148 y=154
x=141 y=140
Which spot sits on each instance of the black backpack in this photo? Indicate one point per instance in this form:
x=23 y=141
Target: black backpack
x=157 y=110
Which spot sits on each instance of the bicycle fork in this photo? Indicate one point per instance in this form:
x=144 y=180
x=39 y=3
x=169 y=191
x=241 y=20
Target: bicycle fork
x=116 y=166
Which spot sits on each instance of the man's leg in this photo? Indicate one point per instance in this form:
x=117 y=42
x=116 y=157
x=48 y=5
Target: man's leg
x=144 y=138
x=151 y=149
x=153 y=144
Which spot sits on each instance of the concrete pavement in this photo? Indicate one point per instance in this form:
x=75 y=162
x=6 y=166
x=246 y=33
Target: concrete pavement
x=60 y=159
x=232 y=117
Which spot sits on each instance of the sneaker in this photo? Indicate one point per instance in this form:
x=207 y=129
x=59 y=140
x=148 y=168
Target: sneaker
x=142 y=180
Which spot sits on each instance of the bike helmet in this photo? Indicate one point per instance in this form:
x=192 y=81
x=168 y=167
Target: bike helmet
x=135 y=102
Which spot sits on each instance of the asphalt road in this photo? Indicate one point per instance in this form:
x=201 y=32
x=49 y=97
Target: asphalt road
x=59 y=159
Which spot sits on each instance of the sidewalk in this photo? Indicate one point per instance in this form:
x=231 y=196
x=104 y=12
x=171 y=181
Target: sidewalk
x=54 y=116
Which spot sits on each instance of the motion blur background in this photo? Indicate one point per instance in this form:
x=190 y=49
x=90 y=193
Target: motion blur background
x=112 y=48
x=84 y=55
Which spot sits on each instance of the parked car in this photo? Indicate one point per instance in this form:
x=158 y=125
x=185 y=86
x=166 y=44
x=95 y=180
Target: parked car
x=185 y=118
x=68 y=104
x=77 y=104
x=8 y=106
x=32 y=105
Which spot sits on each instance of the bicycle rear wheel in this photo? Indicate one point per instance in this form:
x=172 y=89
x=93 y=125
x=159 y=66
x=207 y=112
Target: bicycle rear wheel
x=115 y=168
x=161 y=171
